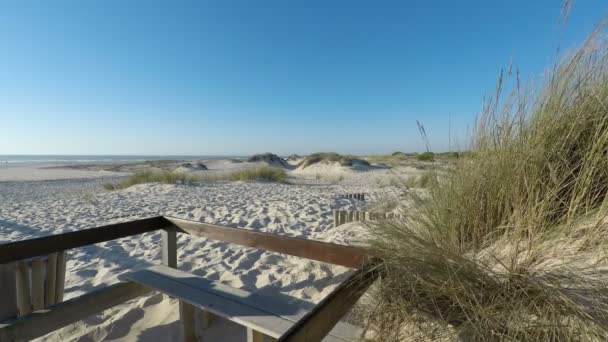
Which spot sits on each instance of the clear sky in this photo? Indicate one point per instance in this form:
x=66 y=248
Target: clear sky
x=241 y=77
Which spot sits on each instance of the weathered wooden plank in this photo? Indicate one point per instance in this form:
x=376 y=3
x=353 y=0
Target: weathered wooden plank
x=325 y=315
x=37 y=286
x=8 y=293
x=169 y=248
x=60 y=284
x=267 y=314
x=348 y=256
x=24 y=301
x=19 y=250
x=39 y=323
x=166 y=281
x=51 y=279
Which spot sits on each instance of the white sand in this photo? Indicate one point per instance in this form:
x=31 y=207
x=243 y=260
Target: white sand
x=32 y=209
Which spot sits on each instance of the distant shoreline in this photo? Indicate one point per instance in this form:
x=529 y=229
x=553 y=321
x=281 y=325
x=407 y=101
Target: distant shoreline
x=105 y=159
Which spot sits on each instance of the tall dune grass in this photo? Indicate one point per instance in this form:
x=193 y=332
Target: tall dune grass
x=512 y=243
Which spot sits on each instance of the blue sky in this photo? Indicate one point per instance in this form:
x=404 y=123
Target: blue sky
x=241 y=77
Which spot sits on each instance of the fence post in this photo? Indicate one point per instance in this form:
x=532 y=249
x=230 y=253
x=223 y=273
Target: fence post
x=336 y=218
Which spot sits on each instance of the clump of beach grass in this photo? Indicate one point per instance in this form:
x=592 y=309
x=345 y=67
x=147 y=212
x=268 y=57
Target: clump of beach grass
x=261 y=173
x=143 y=177
x=511 y=244
x=422 y=180
x=331 y=157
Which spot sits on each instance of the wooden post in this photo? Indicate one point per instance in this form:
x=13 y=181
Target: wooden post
x=336 y=218
x=342 y=217
x=186 y=314
x=8 y=293
x=254 y=336
x=51 y=279
x=169 y=248
x=24 y=301
x=60 y=283
x=37 y=265
x=186 y=311
x=363 y=197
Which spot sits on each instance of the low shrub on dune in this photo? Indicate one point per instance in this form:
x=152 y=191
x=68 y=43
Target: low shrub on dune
x=511 y=245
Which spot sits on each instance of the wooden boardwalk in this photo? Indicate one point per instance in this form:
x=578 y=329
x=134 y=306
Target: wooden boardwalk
x=313 y=326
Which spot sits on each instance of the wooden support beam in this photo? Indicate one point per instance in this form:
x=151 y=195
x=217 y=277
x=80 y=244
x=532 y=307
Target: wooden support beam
x=186 y=314
x=8 y=304
x=169 y=248
x=37 y=288
x=19 y=250
x=325 y=315
x=348 y=256
x=24 y=300
x=60 y=284
x=336 y=218
x=42 y=322
x=254 y=336
x=51 y=279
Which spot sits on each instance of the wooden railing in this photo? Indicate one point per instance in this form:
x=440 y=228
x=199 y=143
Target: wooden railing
x=313 y=327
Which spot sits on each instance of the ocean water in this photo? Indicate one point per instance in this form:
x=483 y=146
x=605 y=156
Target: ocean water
x=17 y=159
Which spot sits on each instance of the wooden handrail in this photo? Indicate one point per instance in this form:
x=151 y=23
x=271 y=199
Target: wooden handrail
x=325 y=315
x=348 y=256
x=25 y=249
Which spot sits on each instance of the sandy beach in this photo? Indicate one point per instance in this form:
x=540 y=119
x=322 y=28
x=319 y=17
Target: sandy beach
x=72 y=198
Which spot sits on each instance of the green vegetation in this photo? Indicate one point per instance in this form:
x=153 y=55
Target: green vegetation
x=426 y=156
x=262 y=173
x=153 y=177
x=332 y=157
x=511 y=244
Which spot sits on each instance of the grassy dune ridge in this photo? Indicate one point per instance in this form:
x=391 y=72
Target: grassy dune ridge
x=512 y=243
x=261 y=173
x=331 y=157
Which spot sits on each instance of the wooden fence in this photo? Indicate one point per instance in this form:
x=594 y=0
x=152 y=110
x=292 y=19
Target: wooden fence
x=345 y=216
x=357 y=196
x=312 y=327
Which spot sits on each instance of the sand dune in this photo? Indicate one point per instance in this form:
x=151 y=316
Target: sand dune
x=31 y=209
